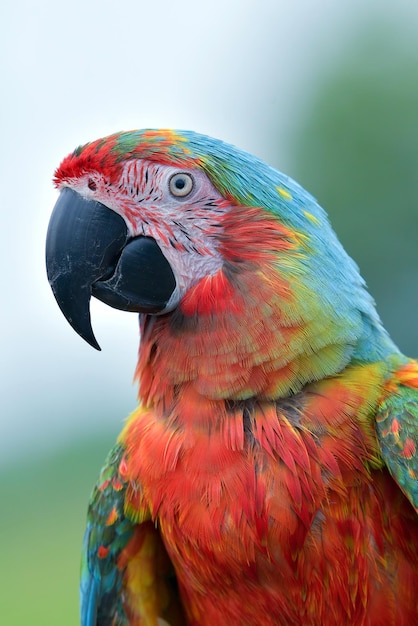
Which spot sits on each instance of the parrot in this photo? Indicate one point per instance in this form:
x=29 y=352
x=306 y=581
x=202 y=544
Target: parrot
x=269 y=474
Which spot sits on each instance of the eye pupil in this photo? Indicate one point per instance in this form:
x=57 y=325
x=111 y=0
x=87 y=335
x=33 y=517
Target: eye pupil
x=180 y=184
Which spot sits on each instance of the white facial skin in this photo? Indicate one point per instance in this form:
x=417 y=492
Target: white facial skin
x=179 y=208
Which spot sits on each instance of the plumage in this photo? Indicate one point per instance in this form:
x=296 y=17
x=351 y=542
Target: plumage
x=269 y=475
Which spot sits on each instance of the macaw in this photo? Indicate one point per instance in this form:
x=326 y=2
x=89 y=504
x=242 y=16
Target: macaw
x=269 y=475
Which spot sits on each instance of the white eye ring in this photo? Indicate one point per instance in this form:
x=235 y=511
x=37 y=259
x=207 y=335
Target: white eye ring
x=180 y=184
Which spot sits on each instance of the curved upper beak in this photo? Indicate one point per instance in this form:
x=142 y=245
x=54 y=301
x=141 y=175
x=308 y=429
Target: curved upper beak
x=89 y=252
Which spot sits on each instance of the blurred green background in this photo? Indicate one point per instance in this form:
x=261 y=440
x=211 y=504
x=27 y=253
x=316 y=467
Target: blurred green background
x=353 y=142
x=42 y=525
x=356 y=150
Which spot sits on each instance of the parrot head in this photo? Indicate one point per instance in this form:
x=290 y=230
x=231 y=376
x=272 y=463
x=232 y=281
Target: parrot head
x=155 y=242
x=170 y=197
x=167 y=222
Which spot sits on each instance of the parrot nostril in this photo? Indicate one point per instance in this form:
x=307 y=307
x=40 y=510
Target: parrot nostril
x=91 y=184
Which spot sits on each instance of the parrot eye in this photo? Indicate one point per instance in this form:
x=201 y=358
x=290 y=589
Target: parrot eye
x=180 y=184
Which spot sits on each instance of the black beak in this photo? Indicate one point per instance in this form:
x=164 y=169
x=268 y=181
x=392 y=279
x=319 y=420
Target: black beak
x=89 y=252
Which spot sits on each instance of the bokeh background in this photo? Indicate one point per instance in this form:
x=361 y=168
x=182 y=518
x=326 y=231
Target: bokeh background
x=326 y=91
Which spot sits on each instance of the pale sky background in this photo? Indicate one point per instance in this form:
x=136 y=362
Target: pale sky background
x=239 y=70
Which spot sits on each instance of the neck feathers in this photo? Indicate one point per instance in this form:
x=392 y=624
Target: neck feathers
x=278 y=315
